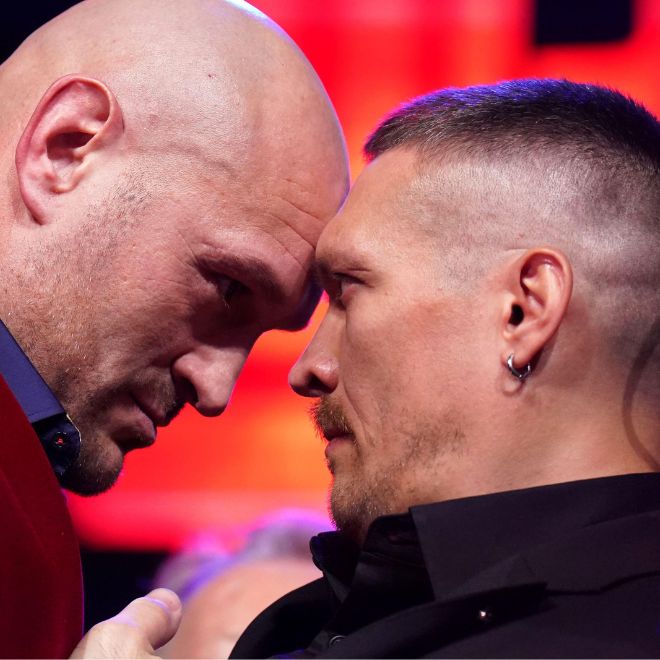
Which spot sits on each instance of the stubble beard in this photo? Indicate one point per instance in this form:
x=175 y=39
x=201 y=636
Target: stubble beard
x=78 y=388
x=51 y=320
x=96 y=469
x=90 y=400
x=355 y=500
x=363 y=491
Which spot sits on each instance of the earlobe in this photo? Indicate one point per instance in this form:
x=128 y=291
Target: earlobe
x=539 y=290
x=75 y=120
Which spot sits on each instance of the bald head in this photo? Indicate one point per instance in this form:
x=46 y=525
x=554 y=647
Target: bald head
x=167 y=169
x=214 y=79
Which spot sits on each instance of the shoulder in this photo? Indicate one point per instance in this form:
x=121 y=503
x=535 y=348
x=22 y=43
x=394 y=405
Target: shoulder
x=289 y=623
x=622 y=620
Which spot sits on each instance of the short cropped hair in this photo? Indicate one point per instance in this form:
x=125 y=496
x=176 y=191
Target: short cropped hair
x=518 y=113
x=600 y=145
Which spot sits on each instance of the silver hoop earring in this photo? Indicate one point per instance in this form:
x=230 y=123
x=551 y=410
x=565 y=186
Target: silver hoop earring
x=520 y=375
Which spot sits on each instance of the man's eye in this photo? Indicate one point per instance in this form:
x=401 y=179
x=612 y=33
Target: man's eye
x=342 y=288
x=228 y=288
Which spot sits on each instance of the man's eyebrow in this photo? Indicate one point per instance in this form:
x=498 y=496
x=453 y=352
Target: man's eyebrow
x=260 y=275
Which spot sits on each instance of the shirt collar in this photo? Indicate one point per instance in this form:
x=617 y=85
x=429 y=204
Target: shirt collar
x=57 y=433
x=459 y=539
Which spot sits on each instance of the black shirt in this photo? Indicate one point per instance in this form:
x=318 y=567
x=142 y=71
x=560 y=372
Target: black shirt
x=442 y=551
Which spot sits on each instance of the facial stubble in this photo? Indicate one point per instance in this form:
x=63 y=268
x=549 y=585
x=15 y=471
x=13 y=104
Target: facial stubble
x=364 y=489
x=62 y=328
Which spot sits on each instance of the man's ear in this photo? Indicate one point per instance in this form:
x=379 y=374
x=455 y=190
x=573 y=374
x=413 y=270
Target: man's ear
x=539 y=286
x=74 y=121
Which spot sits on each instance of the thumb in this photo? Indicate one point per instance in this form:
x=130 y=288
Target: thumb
x=143 y=625
x=157 y=615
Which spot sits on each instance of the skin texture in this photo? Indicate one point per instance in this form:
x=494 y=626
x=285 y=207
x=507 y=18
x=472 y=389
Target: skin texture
x=409 y=364
x=158 y=211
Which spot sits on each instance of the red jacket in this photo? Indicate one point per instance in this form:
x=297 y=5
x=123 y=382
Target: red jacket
x=40 y=577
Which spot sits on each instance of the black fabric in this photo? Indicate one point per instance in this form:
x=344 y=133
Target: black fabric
x=568 y=570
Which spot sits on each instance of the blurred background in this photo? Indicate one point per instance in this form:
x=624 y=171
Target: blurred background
x=215 y=476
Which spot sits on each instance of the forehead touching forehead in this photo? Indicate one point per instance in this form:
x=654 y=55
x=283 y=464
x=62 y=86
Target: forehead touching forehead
x=269 y=228
x=262 y=137
x=380 y=204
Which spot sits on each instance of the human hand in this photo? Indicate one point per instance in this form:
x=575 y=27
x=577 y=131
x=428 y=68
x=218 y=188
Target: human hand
x=143 y=626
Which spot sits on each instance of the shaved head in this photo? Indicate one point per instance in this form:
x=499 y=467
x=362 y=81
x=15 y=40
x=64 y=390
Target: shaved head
x=167 y=168
x=209 y=78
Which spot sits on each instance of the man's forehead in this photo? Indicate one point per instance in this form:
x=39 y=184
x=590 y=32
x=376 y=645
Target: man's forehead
x=385 y=178
x=377 y=203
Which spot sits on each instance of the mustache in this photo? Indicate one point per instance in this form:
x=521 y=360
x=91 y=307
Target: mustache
x=328 y=417
x=173 y=409
x=164 y=397
x=171 y=403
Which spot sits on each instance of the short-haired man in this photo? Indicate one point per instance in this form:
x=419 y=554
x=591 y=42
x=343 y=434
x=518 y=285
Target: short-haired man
x=488 y=382
x=166 y=168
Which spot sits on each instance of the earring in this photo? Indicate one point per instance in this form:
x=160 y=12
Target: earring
x=520 y=375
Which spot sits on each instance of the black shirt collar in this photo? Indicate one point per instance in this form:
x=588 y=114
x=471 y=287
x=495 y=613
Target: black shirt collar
x=448 y=543
x=57 y=433
x=460 y=538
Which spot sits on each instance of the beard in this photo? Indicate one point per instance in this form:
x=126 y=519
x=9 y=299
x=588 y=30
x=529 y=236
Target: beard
x=60 y=303
x=101 y=457
x=389 y=474
x=354 y=502
x=71 y=354
x=95 y=470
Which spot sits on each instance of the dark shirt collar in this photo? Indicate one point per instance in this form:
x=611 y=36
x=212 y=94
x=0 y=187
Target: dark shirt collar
x=460 y=538
x=57 y=433
x=451 y=542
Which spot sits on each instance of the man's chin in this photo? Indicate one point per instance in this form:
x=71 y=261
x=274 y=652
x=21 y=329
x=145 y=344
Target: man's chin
x=94 y=472
x=351 y=513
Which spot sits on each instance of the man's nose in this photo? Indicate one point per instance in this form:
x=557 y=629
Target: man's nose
x=315 y=373
x=212 y=373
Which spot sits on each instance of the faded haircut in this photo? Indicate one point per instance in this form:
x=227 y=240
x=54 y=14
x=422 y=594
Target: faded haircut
x=594 y=155
x=589 y=120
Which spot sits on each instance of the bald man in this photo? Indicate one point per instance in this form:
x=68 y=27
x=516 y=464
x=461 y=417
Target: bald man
x=487 y=377
x=167 y=168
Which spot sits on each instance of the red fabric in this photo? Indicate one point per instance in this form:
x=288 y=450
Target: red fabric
x=40 y=577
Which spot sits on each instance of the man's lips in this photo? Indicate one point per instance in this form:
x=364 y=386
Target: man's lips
x=147 y=422
x=331 y=423
x=157 y=418
x=338 y=441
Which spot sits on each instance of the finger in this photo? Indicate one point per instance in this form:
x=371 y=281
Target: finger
x=157 y=615
x=143 y=625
